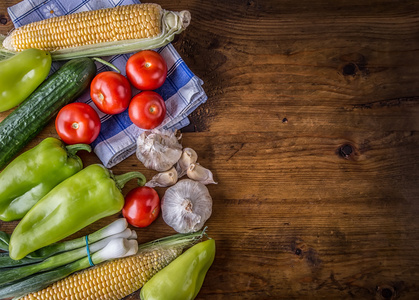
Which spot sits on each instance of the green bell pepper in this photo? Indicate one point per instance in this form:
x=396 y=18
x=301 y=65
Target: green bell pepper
x=21 y=74
x=89 y=195
x=31 y=175
x=182 y=279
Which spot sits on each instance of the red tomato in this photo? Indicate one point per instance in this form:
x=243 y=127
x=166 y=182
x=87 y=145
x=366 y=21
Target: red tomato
x=147 y=110
x=146 y=70
x=111 y=92
x=142 y=206
x=77 y=123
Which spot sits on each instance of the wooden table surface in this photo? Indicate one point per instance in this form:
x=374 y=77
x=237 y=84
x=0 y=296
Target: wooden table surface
x=311 y=130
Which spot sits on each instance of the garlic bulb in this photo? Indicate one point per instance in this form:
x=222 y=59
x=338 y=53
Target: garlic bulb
x=188 y=157
x=186 y=206
x=158 y=150
x=201 y=174
x=164 y=179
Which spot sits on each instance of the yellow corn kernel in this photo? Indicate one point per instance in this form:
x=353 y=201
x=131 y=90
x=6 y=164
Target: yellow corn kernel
x=135 y=21
x=110 y=280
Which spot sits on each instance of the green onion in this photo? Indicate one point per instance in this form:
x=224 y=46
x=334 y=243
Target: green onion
x=7 y=262
x=4 y=241
x=116 y=248
x=115 y=227
x=13 y=274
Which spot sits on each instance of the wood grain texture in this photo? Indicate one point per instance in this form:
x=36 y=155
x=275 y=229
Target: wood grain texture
x=311 y=130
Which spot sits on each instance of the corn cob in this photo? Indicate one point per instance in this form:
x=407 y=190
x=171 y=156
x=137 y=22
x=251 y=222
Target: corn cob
x=107 y=31
x=111 y=280
x=88 y=27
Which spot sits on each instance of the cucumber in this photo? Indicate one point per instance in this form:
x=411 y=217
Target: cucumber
x=28 y=119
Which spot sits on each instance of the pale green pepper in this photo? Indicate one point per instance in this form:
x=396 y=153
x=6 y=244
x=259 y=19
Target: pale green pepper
x=34 y=173
x=21 y=74
x=182 y=279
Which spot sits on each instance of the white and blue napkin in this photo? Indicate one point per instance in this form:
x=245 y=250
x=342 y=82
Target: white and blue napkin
x=182 y=90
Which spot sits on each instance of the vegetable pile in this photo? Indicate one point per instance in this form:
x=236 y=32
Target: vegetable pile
x=53 y=195
x=29 y=118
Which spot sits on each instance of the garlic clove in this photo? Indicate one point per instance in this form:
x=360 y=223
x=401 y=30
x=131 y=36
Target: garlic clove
x=201 y=174
x=163 y=179
x=158 y=150
x=189 y=156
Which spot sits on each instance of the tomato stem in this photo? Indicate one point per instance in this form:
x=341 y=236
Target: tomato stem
x=120 y=180
x=75 y=125
x=106 y=63
x=72 y=149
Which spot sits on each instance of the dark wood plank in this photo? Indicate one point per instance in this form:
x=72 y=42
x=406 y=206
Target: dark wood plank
x=311 y=130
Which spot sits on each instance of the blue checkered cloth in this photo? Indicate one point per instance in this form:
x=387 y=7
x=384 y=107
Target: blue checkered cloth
x=182 y=90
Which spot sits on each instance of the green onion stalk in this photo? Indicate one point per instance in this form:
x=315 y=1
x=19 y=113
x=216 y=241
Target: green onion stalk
x=115 y=227
x=116 y=248
x=14 y=274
